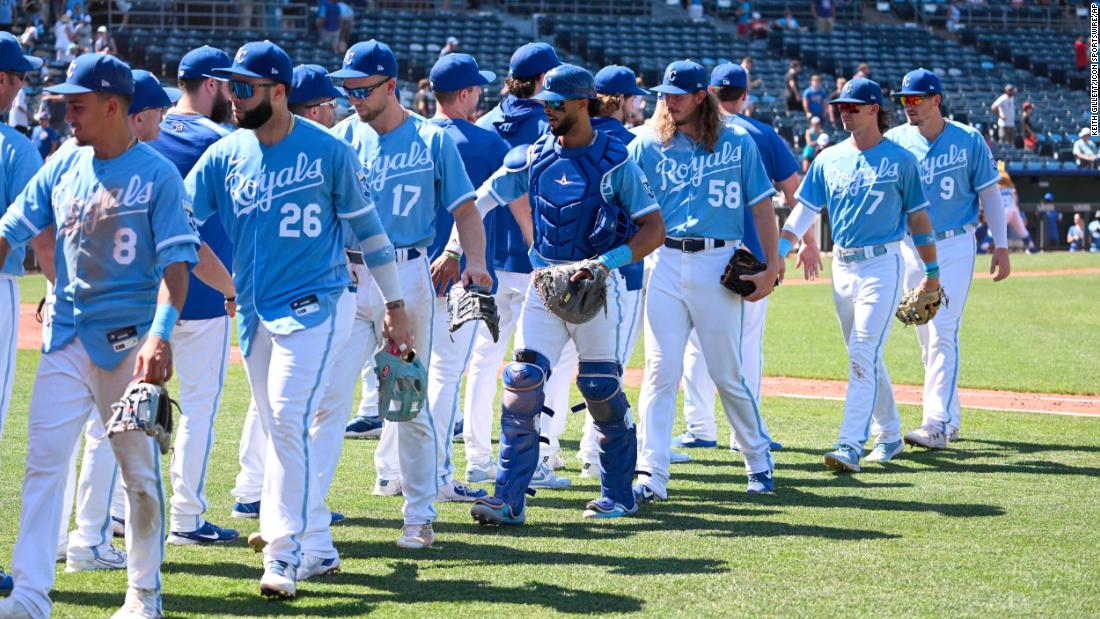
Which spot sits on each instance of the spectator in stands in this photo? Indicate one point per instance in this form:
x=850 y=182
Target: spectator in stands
x=746 y=64
x=809 y=136
x=813 y=98
x=451 y=47
x=863 y=71
x=824 y=11
x=1094 y=233
x=43 y=136
x=347 y=23
x=695 y=10
x=834 y=116
x=1027 y=129
x=743 y=13
x=29 y=39
x=9 y=14
x=1085 y=150
x=811 y=150
x=105 y=43
x=63 y=37
x=1005 y=109
x=758 y=27
x=790 y=87
x=329 y=24
x=954 y=16
x=424 y=100
x=123 y=8
x=1076 y=235
x=1081 y=53
x=788 y=22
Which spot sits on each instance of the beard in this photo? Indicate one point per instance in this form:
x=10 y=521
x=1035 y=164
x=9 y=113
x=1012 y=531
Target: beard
x=222 y=108
x=565 y=125
x=256 y=117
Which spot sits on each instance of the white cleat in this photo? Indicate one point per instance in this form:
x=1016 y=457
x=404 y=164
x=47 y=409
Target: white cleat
x=454 y=492
x=278 y=581
x=416 y=536
x=477 y=474
x=140 y=604
x=387 y=487
x=546 y=479
x=590 y=469
x=952 y=434
x=928 y=437
x=10 y=608
x=105 y=557
x=554 y=461
x=313 y=567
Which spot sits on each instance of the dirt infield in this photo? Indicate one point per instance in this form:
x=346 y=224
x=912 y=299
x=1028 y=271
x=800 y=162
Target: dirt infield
x=30 y=338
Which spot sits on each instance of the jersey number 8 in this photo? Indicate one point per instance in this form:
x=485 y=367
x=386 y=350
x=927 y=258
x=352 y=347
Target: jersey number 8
x=308 y=216
x=125 y=245
x=720 y=192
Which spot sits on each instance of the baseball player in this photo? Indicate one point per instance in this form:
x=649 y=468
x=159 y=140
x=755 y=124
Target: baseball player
x=1013 y=218
x=313 y=96
x=119 y=212
x=519 y=120
x=576 y=179
x=283 y=187
x=19 y=160
x=456 y=82
x=706 y=173
x=413 y=170
x=956 y=172
x=872 y=189
x=728 y=83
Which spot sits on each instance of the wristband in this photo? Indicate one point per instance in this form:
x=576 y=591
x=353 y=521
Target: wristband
x=924 y=239
x=163 y=321
x=453 y=255
x=931 y=269
x=616 y=258
x=784 y=247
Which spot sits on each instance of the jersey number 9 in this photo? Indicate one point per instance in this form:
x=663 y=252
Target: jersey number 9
x=947 y=187
x=720 y=192
x=310 y=222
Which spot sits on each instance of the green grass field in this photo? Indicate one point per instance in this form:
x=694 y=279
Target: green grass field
x=1006 y=522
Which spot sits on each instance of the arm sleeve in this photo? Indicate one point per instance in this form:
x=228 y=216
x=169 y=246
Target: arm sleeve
x=505 y=185
x=453 y=183
x=201 y=186
x=995 y=214
x=800 y=219
x=174 y=233
x=812 y=193
x=912 y=197
x=755 y=184
x=632 y=189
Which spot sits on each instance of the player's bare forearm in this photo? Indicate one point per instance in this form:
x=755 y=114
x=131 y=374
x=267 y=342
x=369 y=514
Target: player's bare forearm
x=649 y=236
x=213 y=273
x=173 y=288
x=43 y=247
x=521 y=210
x=920 y=223
x=5 y=249
x=471 y=234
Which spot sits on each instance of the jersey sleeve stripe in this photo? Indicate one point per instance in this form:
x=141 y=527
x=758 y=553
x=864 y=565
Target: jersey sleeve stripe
x=469 y=196
x=645 y=211
x=804 y=202
x=363 y=211
x=919 y=207
x=496 y=196
x=767 y=194
x=992 y=181
x=26 y=222
x=176 y=240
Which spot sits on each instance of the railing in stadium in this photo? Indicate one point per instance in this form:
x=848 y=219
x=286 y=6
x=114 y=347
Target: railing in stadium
x=578 y=7
x=261 y=15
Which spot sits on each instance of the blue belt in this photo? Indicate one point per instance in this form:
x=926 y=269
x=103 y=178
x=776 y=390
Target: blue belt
x=356 y=257
x=848 y=256
x=952 y=233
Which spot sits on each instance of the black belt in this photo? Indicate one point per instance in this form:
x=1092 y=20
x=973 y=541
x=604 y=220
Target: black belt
x=356 y=257
x=691 y=246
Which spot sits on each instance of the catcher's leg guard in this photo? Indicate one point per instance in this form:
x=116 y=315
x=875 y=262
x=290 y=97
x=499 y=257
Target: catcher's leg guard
x=521 y=405
x=600 y=382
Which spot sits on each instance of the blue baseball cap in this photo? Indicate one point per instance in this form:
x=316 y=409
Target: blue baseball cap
x=311 y=83
x=148 y=93
x=532 y=59
x=920 y=82
x=1049 y=197
x=729 y=75
x=682 y=77
x=12 y=57
x=566 y=82
x=199 y=62
x=860 y=90
x=618 y=80
x=174 y=94
x=96 y=73
x=262 y=59
x=365 y=59
x=457 y=71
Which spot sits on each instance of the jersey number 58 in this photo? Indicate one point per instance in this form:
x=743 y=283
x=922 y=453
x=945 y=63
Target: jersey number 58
x=720 y=192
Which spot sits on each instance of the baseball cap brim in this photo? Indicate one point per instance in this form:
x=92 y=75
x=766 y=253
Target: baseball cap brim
x=488 y=76
x=914 y=93
x=229 y=72
x=850 y=100
x=67 y=89
x=347 y=74
x=174 y=94
x=546 y=95
x=220 y=78
x=33 y=63
x=633 y=90
x=669 y=89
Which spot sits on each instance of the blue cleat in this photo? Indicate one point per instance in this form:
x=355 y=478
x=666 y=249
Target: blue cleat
x=843 y=458
x=364 y=427
x=492 y=510
x=604 y=508
x=6 y=584
x=208 y=533
x=885 y=452
x=249 y=511
x=336 y=517
x=458 y=432
x=644 y=494
x=774 y=446
x=687 y=440
x=761 y=483
x=456 y=492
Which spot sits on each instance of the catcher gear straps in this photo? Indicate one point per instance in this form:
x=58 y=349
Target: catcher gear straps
x=521 y=404
x=600 y=382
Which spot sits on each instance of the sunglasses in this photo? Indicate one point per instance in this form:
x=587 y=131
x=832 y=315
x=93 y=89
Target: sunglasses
x=331 y=104
x=912 y=100
x=244 y=90
x=556 y=106
x=364 y=91
x=848 y=108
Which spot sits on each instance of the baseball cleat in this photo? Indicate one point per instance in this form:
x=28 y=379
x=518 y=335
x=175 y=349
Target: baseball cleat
x=545 y=478
x=312 y=566
x=761 y=483
x=208 y=533
x=492 y=510
x=257 y=542
x=884 y=452
x=843 y=458
x=678 y=457
x=928 y=437
x=455 y=492
x=62 y=552
x=6 y=584
x=554 y=461
x=336 y=518
x=246 y=510
x=476 y=474
x=364 y=427
x=644 y=494
x=387 y=487
x=604 y=508
x=952 y=434
x=140 y=604
x=773 y=446
x=687 y=440
x=10 y=608
x=416 y=536
x=457 y=436
x=278 y=581
x=105 y=557
x=590 y=469
x=118 y=526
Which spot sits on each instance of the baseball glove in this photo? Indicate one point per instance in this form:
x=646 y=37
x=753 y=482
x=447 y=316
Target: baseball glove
x=918 y=308
x=402 y=384
x=147 y=408
x=574 y=302
x=742 y=263
x=473 y=303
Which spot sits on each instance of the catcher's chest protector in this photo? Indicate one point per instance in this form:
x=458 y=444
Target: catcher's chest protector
x=566 y=198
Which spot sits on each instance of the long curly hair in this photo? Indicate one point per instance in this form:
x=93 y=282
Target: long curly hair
x=710 y=122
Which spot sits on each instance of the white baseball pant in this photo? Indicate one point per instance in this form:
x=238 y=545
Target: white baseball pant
x=368 y=396
x=557 y=399
x=252 y=457
x=66 y=385
x=96 y=489
x=866 y=295
x=684 y=292
x=450 y=355
x=939 y=339
x=9 y=341
x=288 y=375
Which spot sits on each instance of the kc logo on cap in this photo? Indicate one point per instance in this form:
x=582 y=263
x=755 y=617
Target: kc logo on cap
x=670 y=75
x=241 y=53
x=908 y=81
x=349 y=57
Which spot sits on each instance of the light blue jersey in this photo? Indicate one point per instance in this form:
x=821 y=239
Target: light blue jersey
x=954 y=169
x=702 y=193
x=119 y=224
x=281 y=206
x=19 y=160
x=869 y=193
x=412 y=171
